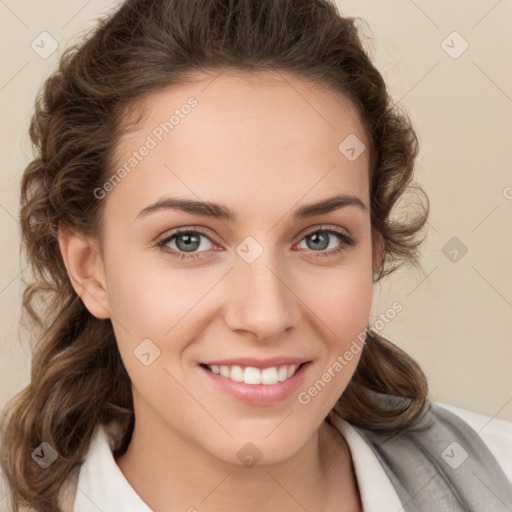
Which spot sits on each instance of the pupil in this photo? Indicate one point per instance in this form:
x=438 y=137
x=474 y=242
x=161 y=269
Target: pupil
x=322 y=236
x=189 y=241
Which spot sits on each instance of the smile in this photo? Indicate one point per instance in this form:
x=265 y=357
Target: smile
x=252 y=375
x=256 y=386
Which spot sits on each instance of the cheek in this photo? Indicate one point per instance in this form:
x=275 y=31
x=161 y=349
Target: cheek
x=350 y=308
x=148 y=298
x=342 y=299
x=341 y=308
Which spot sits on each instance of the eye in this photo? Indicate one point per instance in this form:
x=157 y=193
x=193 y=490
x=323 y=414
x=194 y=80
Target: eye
x=187 y=242
x=321 y=239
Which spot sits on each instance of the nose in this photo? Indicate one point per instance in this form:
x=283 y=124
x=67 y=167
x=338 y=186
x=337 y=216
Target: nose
x=261 y=300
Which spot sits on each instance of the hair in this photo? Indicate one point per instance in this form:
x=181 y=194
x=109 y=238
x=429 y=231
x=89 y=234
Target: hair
x=78 y=379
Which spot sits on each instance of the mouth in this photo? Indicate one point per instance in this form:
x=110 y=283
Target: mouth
x=256 y=386
x=252 y=375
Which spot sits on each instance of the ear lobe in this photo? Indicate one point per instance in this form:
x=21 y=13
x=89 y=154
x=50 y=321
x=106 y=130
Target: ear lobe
x=85 y=269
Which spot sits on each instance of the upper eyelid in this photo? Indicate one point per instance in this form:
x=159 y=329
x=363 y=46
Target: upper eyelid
x=325 y=227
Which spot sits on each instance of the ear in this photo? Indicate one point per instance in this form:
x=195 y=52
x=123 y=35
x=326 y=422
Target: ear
x=378 y=248
x=84 y=265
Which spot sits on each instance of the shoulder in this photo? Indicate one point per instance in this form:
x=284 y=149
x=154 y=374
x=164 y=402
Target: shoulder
x=459 y=454
x=494 y=432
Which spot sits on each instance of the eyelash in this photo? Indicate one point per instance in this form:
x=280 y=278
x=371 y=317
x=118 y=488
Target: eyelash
x=346 y=240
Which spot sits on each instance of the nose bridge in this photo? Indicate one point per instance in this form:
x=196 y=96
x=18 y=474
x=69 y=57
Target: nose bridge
x=263 y=302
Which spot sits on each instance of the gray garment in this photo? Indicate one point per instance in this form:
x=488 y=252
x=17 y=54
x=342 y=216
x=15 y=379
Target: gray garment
x=441 y=465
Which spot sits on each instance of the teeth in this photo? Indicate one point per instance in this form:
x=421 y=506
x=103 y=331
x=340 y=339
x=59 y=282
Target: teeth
x=251 y=375
x=282 y=374
x=269 y=376
x=236 y=373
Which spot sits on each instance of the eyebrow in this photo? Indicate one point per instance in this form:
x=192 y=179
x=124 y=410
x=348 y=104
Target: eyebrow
x=218 y=211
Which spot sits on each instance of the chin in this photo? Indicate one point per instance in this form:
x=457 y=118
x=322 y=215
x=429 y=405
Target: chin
x=266 y=446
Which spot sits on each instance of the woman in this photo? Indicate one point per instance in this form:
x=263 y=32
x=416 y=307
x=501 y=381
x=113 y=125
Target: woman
x=207 y=214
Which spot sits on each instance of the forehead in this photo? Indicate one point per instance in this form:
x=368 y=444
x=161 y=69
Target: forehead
x=242 y=138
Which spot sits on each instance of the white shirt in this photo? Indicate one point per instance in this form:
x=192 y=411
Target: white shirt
x=102 y=485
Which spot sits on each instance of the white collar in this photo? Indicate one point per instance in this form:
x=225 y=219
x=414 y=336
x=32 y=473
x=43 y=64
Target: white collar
x=102 y=485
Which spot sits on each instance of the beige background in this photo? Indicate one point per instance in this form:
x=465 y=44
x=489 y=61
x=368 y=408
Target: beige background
x=457 y=317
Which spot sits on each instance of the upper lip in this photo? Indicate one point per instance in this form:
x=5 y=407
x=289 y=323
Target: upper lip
x=258 y=363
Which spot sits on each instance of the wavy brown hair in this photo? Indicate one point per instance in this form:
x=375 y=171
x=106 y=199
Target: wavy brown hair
x=78 y=379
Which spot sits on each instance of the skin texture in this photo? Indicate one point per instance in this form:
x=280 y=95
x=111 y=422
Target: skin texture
x=263 y=146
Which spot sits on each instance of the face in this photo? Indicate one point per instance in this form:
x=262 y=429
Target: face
x=185 y=289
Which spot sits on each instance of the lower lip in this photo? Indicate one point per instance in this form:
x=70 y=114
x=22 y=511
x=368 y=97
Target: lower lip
x=259 y=393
